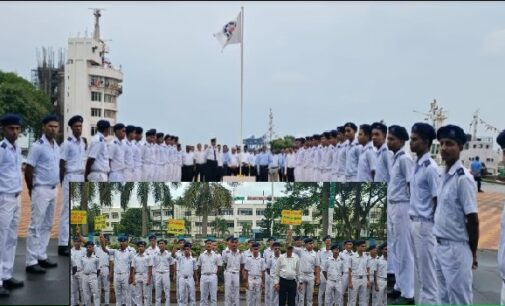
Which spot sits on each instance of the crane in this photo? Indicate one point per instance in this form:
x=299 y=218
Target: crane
x=476 y=121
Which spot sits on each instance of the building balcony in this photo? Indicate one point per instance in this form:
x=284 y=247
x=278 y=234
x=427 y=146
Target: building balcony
x=106 y=72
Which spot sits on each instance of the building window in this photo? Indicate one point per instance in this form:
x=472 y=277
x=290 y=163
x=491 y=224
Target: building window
x=474 y=146
x=96 y=112
x=93 y=130
x=230 y=224
x=260 y=212
x=167 y=212
x=96 y=96
x=107 y=113
x=188 y=213
x=241 y=224
x=227 y=212
x=245 y=211
x=108 y=98
x=198 y=223
x=487 y=146
x=115 y=215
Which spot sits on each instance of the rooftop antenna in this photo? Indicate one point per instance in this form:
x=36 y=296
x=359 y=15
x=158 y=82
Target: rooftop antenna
x=97 y=14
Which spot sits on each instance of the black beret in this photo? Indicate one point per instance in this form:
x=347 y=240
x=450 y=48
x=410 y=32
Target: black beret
x=107 y=237
x=233 y=239
x=213 y=139
x=130 y=129
x=326 y=134
x=181 y=239
x=49 y=118
x=159 y=135
x=141 y=243
x=501 y=139
x=297 y=238
x=270 y=239
x=341 y=129
x=251 y=240
x=399 y=132
x=10 y=119
x=139 y=130
x=350 y=125
x=382 y=246
x=118 y=126
x=229 y=238
x=167 y=136
x=151 y=132
x=187 y=245
x=334 y=133
x=327 y=237
x=360 y=242
x=308 y=240
x=367 y=128
x=348 y=241
x=452 y=132
x=335 y=246
x=103 y=124
x=276 y=244
x=209 y=240
x=122 y=238
x=255 y=245
x=424 y=130
x=163 y=240
x=176 y=138
x=316 y=137
x=302 y=140
x=380 y=126
x=74 y=119
x=371 y=248
x=89 y=243
x=152 y=237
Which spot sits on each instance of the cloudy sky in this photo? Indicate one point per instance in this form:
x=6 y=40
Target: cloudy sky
x=316 y=65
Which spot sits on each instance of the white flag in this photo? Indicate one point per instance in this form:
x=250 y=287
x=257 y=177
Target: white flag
x=231 y=33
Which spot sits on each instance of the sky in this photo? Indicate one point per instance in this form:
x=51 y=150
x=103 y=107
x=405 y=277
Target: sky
x=317 y=65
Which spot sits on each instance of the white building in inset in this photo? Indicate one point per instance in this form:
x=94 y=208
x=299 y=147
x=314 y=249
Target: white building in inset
x=92 y=84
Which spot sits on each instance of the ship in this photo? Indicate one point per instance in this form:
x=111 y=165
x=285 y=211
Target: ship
x=483 y=147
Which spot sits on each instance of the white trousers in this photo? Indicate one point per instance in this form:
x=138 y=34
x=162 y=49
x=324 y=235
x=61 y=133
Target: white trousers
x=306 y=293
x=298 y=174
x=208 y=290
x=90 y=289
x=379 y=298
x=39 y=230
x=140 y=296
x=138 y=174
x=359 y=289
x=147 y=175
x=76 y=289
x=117 y=176
x=254 y=291
x=98 y=177
x=129 y=175
x=9 y=223
x=273 y=294
x=162 y=283
x=401 y=248
x=345 y=285
x=423 y=243
x=121 y=288
x=502 y=293
x=322 y=290
x=454 y=272
x=63 y=232
x=186 y=291
x=103 y=283
x=231 y=288
x=332 y=293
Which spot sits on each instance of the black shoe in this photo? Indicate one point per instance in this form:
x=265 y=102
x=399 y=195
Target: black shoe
x=393 y=294
x=481 y=191
x=403 y=301
x=4 y=292
x=47 y=264
x=36 y=269
x=13 y=283
x=63 y=250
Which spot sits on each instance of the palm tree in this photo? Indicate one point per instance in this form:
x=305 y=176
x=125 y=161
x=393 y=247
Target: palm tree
x=206 y=198
x=246 y=230
x=220 y=226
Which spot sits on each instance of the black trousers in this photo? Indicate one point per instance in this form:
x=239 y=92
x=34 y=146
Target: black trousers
x=291 y=175
x=263 y=177
x=226 y=170
x=200 y=170
x=187 y=173
x=219 y=174
x=478 y=179
x=287 y=291
x=282 y=175
x=211 y=173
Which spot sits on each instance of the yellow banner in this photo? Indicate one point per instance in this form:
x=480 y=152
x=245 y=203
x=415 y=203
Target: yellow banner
x=176 y=226
x=293 y=217
x=100 y=223
x=78 y=217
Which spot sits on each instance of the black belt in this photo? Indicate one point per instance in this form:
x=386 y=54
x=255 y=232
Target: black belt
x=186 y=276
x=232 y=272
x=287 y=280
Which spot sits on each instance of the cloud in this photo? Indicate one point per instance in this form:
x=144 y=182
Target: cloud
x=494 y=43
x=289 y=78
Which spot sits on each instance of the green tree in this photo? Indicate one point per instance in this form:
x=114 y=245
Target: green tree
x=206 y=199
x=131 y=223
x=282 y=143
x=18 y=95
x=246 y=230
x=220 y=226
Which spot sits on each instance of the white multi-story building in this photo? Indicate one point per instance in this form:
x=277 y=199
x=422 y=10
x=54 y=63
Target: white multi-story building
x=92 y=84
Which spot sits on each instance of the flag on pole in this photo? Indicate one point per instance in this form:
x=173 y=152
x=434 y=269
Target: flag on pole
x=231 y=33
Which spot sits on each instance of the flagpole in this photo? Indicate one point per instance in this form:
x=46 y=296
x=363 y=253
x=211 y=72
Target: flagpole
x=241 y=81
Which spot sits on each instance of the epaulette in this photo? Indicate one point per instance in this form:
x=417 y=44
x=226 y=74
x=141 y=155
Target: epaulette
x=101 y=139
x=41 y=141
x=115 y=142
x=401 y=153
x=4 y=145
x=69 y=138
x=460 y=171
x=427 y=163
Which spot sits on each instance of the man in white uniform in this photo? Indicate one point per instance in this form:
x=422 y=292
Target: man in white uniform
x=186 y=268
x=501 y=251
x=98 y=165
x=89 y=278
x=333 y=269
x=232 y=258
x=254 y=276
x=209 y=263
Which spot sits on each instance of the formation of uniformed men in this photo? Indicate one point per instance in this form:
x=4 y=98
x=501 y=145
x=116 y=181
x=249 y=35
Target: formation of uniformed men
x=288 y=277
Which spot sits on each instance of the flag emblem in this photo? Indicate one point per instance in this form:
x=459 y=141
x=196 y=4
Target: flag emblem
x=229 y=28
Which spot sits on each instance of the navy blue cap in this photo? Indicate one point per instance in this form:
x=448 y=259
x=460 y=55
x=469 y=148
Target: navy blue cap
x=151 y=132
x=424 y=130
x=182 y=239
x=351 y=125
x=382 y=246
x=229 y=238
x=327 y=237
x=341 y=129
x=130 y=129
x=187 y=245
x=118 y=126
x=333 y=133
x=74 y=119
x=399 y=132
x=233 y=239
x=103 y=124
x=159 y=135
x=298 y=238
x=139 y=130
x=347 y=241
x=453 y=132
x=10 y=119
x=270 y=239
x=152 y=237
x=360 y=242
x=371 y=248
x=49 y=118
x=366 y=128
x=255 y=245
x=501 y=139
x=141 y=243
x=308 y=240
x=89 y=243
x=335 y=246
x=380 y=126
x=251 y=240
x=276 y=244
x=316 y=137
x=122 y=238
x=167 y=136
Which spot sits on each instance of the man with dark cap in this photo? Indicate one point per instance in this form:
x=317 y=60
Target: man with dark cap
x=10 y=206
x=76 y=253
x=346 y=254
x=186 y=276
x=335 y=141
x=383 y=155
x=326 y=158
x=309 y=267
x=117 y=153
x=423 y=201
x=307 y=159
x=398 y=196
x=254 y=276
x=209 y=264
x=372 y=262
x=141 y=275
x=299 y=158
x=89 y=278
x=501 y=251
x=333 y=269
x=71 y=170
x=148 y=156
x=232 y=258
x=323 y=254
x=138 y=143
x=380 y=277
x=98 y=165
x=367 y=157
x=211 y=157
x=266 y=254
x=352 y=152
x=103 y=278
x=129 y=172
x=272 y=296
x=42 y=175
x=151 y=251
x=160 y=160
x=188 y=165
x=341 y=155
x=359 y=276
x=456 y=225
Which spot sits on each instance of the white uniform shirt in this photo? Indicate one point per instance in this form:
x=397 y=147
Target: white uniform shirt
x=186 y=265
x=345 y=255
x=342 y=157
x=152 y=251
x=200 y=157
x=401 y=172
x=77 y=255
x=163 y=261
x=117 y=155
x=372 y=265
x=358 y=264
x=423 y=187
x=10 y=167
x=456 y=198
x=90 y=265
x=334 y=268
x=366 y=163
x=141 y=263
x=323 y=255
x=137 y=154
x=384 y=158
x=45 y=159
x=299 y=157
x=232 y=260
x=255 y=266
x=128 y=159
x=104 y=257
x=211 y=153
x=290 y=160
x=234 y=160
x=122 y=260
x=209 y=262
x=189 y=159
x=73 y=153
x=309 y=260
x=381 y=266
x=352 y=158
x=99 y=150
x=271 y=263
x=287 y=268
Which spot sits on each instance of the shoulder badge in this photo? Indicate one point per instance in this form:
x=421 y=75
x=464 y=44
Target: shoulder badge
x=41 y=141
x=101 y=139
x=69 y=138
x=4 y=145
x=115 y=142
x=401 y=153
x=427 y=163
x=460 y=171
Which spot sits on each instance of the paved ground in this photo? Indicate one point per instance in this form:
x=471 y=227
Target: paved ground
x=52 y=288
x=491 y=203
